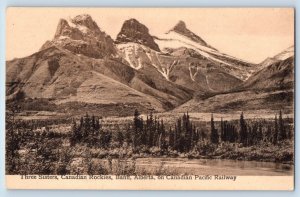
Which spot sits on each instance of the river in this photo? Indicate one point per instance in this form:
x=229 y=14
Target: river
x=213 y=167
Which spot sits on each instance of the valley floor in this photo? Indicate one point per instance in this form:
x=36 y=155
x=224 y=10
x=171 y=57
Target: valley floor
x=41 y=142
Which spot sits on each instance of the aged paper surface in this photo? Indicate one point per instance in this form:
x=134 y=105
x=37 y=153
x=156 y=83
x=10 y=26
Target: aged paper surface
x=150 y=98
x=242 y=183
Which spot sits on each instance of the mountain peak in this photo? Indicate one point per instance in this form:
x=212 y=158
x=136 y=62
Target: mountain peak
x=133 y=21
x=181 y=29
x=82 y=17
x=85 y=20
x=180 y=26
x=134 y=31
x=62 y=25
x=77 y=26
x=81 y=35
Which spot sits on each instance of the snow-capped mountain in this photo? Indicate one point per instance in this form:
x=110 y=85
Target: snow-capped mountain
x=180 y=36
x=180 y=28
x=181 y=57
x=82 y=36
x=82 y=64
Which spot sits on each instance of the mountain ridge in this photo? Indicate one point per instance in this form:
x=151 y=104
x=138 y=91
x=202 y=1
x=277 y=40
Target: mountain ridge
x=269 y=88
x=84 y=64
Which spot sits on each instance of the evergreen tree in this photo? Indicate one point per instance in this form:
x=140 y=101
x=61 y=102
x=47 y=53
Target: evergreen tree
x=176 y=136
x=144 y=132
x=75 y=134
x=162 y=143
x=97 y=126
x=120 y=137
x=282 y=133
x=268 y=135
x=203 y=135
x=243 y=131
x=234 y=137
x=87 y=125
x=136 y=120
x=214 y=136
x=275 y=136
x=251 y=134
x=93 y=125
x=171 y=138
x=137 y=129
x=223 y=136
x=260 y=133
x=12 y=138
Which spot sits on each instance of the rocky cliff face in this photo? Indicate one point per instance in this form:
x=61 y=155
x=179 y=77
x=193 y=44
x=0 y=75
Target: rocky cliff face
x=81 y=35
x=133 y=31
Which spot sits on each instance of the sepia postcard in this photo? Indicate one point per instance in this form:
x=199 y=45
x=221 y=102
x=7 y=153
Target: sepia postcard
x=150 y=98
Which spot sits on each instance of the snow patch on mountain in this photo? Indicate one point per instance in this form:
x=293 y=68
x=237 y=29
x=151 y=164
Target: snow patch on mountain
x=193 y=75
x=63 y=37
x=176 y=36
x=174 y=40
x=130 y=54
x=83 y=23
x=137 y=55
x=165 y=71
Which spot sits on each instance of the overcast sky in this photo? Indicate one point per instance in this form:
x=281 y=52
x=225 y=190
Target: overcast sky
x=251 y=34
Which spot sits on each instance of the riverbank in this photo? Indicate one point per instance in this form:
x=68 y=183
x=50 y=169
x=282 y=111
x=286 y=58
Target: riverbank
x=280 y=153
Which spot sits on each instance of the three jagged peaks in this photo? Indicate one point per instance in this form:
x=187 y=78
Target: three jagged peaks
x=83 y=64
x=82 y=35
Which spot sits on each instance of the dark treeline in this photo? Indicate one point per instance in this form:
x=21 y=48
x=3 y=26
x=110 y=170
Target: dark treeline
x=183 y=136
x=148 y=133
x=36 y=148
x=251 y=132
